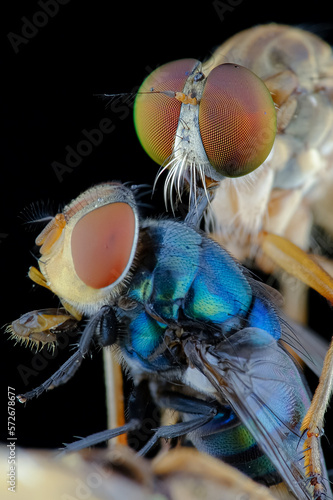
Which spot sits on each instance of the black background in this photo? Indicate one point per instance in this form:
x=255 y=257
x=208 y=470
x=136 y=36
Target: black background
x=47 y=100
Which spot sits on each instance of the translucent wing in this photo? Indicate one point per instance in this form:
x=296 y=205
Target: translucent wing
x=252 y=372
x=307 y=344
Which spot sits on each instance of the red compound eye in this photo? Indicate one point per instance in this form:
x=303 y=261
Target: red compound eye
x=156 y=114
x=102 y=243
x=237 y=120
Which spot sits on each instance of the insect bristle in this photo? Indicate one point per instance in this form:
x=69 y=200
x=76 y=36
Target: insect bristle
x=138 y=190
x=31 y=343
x=180 y=168
x=38 y=214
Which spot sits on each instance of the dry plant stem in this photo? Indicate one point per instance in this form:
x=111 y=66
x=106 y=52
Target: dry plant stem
x=114 y=395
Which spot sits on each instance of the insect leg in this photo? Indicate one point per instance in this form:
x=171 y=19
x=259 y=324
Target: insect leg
x=313 y=423
x=205 y=411
x=196 y=209
x=299 y=264
x=99 y=437
x=67 y=370
x=198 y=204
x=137 y=403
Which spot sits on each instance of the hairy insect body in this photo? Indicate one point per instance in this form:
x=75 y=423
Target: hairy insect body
x=186 y=281
x=297 y=68
x=188 y=320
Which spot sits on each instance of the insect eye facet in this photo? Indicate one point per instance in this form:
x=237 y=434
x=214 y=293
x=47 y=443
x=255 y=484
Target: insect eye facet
x=101 y=244
x=156 y=113
x=237 y=120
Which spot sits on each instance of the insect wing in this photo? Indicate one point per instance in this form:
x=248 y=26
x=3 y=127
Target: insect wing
x=306 y=343
x=259 y=380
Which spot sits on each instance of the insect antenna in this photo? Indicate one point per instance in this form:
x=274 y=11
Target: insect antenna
x=125 y=97
x=129 y=97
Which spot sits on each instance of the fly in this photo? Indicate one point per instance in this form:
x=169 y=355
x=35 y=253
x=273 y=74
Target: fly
x=189 y=324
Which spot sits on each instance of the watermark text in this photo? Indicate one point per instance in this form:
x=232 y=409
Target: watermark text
x=11 y=429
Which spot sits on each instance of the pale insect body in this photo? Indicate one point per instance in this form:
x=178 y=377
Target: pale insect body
x=297 y=67
x=293 y=188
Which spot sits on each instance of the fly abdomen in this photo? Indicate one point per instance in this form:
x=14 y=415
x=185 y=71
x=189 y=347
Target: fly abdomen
x=226 y=438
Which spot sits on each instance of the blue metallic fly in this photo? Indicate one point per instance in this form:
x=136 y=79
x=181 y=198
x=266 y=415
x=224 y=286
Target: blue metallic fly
x=188 y=321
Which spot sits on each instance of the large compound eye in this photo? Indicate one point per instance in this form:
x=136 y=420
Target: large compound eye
x=237 y=120
x=101 y=244
x=156 y=114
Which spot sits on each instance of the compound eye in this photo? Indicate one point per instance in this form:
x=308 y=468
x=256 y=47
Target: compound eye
x=156 y=113
x=237 y=120
x=102 y=244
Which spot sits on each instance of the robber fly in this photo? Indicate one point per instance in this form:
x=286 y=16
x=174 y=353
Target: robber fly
x=263 y=99
x=191 y=327
x=249 y=134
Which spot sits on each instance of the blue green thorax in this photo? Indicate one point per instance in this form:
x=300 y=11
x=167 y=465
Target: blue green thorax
x=184 y=278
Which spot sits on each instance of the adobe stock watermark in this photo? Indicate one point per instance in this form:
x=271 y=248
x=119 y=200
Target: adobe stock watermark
x=11 y=480
x=97 y=480
x=3 y=236
x=30 y=27
x=88 y=486
x=75 y=155
x=41 y=359
x=121 y=106
x=223 y=8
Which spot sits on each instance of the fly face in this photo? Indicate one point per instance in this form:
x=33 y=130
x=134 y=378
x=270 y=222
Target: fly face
x=87 y=251
x=204 y=126
x=86 y=256
x=263 y=99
